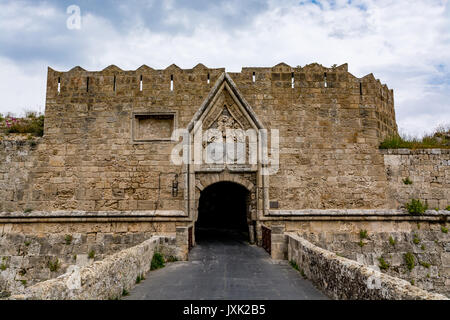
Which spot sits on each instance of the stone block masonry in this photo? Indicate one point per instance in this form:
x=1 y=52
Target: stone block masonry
x=92 y=157
x=381 y=242
x=419 y=174
x=103 y=280
x=344 y=279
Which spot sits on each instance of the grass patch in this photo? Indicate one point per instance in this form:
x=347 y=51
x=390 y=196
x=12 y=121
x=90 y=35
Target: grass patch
x=407 y=181
x=392 y=241
x=28 y=210
x=91 y=254
x=439 y=139
x=54 y=265
x=125 y=292
x=425 y=264
x=444 y=229
x=363 y=234
x=32 y=124
x=294 y=265
x=383 y=264
x=138 y=279
x=448 y=208
x=3 y=267
x=409 y=260
x=361 y=243
x=27 y=243
x=416 y=207
x=68 y=238
x=157 y=261
x=416 y=239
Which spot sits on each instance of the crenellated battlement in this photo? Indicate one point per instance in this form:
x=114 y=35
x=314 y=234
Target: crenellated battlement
x=309 y=85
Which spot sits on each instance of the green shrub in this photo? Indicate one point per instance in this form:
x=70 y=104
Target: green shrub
x=416 y=239
x=437 y=140
x=68 y=238
x=28 y=210
x=407 y=181
x=138 y=279
x=31 y=124
x=157 y=261
x=383 y=264
x=3 y=267
x=409 y=260
x=27 y=243
x=392 y=241
x=448 y=208
x=54 y=265
x=363 y=234
x=294 y=265
x=91 y=254
x=425 y=264
x=416 y=207
x=125 y=292
x=444 y=229
x=361 y=243
x=24 y=282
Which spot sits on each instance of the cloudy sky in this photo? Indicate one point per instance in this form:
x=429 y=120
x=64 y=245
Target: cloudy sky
x=405 y=43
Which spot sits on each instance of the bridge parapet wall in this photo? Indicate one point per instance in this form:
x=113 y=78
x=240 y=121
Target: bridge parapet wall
x=344 y=279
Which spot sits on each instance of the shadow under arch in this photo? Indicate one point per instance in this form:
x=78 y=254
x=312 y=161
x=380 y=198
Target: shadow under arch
x=223 y=212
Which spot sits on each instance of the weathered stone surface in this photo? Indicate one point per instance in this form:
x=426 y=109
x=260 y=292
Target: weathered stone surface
x=102 y=280
x=429 y=172
x=27 y=258
x=342 y=278
x=425 y=241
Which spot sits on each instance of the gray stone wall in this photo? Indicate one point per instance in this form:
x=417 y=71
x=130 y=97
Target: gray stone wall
x=429 y=172
x=103 y=280
x=27 y=259
x=384 y=250
x=16 y=163
x=343 y=279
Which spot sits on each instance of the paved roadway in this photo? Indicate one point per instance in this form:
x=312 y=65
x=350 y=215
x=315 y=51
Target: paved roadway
x=222 y=267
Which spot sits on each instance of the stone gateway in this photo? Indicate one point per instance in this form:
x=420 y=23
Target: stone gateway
x=128 y=155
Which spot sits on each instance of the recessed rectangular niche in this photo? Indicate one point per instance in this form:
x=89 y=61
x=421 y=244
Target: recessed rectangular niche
x=153 y=127
x=274 y=205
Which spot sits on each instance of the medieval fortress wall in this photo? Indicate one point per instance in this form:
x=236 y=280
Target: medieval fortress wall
x=93 y=157
x=103 y=174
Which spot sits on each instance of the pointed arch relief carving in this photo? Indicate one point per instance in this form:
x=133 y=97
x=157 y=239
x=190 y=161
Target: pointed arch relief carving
x=225 y=134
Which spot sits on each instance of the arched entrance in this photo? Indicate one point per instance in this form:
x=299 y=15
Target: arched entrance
x=223 y=211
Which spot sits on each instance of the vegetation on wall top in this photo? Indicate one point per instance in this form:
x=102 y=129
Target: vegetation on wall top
x=32 y=124
x=439 y=139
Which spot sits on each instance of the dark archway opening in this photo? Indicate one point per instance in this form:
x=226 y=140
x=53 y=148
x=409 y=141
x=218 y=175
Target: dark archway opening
x=222 y=212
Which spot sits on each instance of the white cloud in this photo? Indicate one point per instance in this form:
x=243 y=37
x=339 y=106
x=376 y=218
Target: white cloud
x=22 y=89
x=399 y=41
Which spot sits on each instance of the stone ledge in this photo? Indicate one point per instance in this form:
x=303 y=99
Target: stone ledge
x=341 y=278
x=414 y=152
x=92 y=214
x=355 y=212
